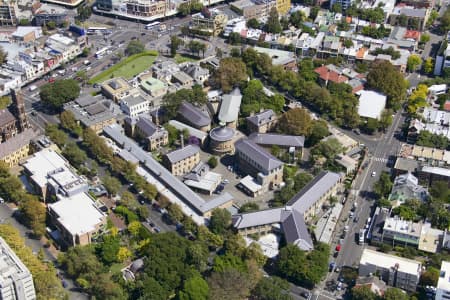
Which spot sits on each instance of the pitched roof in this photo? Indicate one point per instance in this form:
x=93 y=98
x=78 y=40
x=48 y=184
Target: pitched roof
x=312 y=192
x=147 y=126
x=278 y=139
x=6 y=117
x=229 y=108
x=296 y=232
x=261 y=118
x=16 y=142
x=329 y=75
x=182 y=153
x=264 y=159
x=194 y=115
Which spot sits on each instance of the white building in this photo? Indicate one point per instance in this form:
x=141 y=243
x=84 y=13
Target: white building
x=394 y=270
x=134 y=105
x=443 y=286
x=16 y=281
x=63 y=45
x=371 y=104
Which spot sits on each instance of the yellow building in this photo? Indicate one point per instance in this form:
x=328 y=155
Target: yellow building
x=283 y=6
x=16 y=148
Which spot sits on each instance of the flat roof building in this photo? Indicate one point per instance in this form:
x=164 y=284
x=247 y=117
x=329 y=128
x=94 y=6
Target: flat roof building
x=394 y=270
x=371 y=104
x=443 y=285
x=16 y=281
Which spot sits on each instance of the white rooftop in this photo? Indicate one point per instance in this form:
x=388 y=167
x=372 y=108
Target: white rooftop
x=78 y=214
x=371 y=104
x=387 y=261
x=42 y=163
x=444 y=279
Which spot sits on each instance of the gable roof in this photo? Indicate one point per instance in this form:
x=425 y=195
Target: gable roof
x=229 y=108
x=182 y=153
x=261 y=118
x=264 y=159
x=194 y=115
x=278 y=139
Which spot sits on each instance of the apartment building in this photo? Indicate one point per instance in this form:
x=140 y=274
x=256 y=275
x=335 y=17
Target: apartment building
x=16 y=281
x=283 y=6
x=260 y=164
x=183 y=160
x=343 y=3
x=402 y=232
x=211 y=22
x=8 y=10
x=395 y=271
x=254 y=9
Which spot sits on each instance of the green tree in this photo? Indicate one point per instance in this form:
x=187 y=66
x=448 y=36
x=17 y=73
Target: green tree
x=319 y=130
x=272 y=288
x=74 y=154
x=195 y=288
x=336 y=8
x=34 y=213
x=5 y=101
x=429 y=277
x=385 y=78
x=111 y=184
x=231 y=73
x=363 y=293
x=413 y=63
x=69 y=122
x=253 y=23
x=175 y=212
x=297 y=18
x=55 y=94
x=428 y=65
x=385 y=119
x=295 y=121
x=395 y=294
x=220 y=221
x=175 y=43
x=3 y=56
x=328 y=149
x=213 y=162
x=445 y=21
x=109 y=248
x=273 y=22
x=134 y=47
x=51 y=25
x=384 y=185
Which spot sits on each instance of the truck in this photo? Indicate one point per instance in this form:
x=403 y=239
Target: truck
x=362 y=233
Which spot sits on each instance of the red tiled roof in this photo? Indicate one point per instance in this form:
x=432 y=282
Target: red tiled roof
x=329 y=75
x=412 y=34
x=447 y=105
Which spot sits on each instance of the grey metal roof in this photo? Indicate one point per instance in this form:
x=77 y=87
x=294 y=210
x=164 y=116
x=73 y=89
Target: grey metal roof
x=229 y=108
x=278 y=139
x=182 y=153
x=257 y=218
x=312 y=192
x=95 y=109
x=222 y=133
x=86 y=100
x=194 y=115
x=161 y=173
x=182 y=77
x=296 y=232
x=146 y=125
x=6 y=117
x=261 y=118
x=134 y=99
x=264 y=159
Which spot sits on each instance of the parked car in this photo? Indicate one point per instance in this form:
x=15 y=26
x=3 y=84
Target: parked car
x=157 y=229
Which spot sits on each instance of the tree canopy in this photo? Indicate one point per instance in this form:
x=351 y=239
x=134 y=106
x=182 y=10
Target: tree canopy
x=231 y=73
x=55 y=94
x=134 y=47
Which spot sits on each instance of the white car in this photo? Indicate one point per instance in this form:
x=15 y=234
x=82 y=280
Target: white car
x=374 y=173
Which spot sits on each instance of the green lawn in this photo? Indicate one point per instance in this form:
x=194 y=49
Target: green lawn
x=180 y=58
x=127 y=68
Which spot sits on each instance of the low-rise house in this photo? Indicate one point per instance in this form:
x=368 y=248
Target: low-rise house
x=229 y=108
x=17 y=148
x=327 y=74
x=143 y=128
x=116 y=88
x=134 y=105
x=194 y=116
x=181 y=161
x=257 y=162
x=371 y=104
x=94 y=112
x=262 y=122
x=394 y=270
x=406 y=187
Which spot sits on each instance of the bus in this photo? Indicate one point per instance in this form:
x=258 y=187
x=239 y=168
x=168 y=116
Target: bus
x=100 y=53
x=153 y=25
x=98 y=30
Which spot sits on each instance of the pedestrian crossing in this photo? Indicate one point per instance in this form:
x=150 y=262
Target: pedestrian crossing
x=380 y=159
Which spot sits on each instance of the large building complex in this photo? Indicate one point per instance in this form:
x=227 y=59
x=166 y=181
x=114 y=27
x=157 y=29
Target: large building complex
x=291 y=220
x=8 y=10
x=16 y=282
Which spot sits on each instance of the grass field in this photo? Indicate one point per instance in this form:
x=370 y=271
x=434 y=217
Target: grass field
x=127 y=68
x=180 y=58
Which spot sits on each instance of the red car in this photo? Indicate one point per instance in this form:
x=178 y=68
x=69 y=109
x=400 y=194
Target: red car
x=338 y=248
